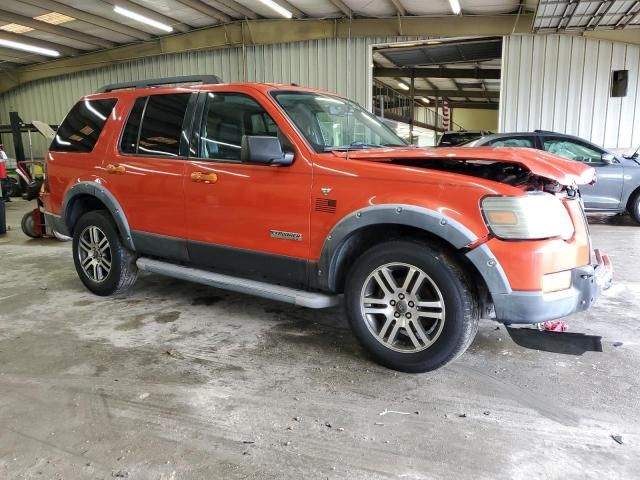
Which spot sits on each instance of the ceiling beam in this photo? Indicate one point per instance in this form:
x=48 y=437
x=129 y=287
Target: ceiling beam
x=14 y=37
x=134 y=7
x=16 y=56
x=436 y=72
x=6 y=66
x=479 y=105
x=55 y=29
x=599 y=16
x=340 y=5
x=265 y=32
x=206 y=9
x=629 y=13
x=456 y=93
x=451 y=93
x=89 y=18
x=631 y=19
x=566 y=15
x=400 y=10
x=543 y=3
x=241 y=10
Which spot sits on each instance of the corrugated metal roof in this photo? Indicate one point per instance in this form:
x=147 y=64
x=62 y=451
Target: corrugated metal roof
x=573 y=15
x=98 y=21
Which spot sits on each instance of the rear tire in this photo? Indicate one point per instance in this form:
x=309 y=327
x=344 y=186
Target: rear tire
x=104 y=264
x=411 y=306
x=634 y=207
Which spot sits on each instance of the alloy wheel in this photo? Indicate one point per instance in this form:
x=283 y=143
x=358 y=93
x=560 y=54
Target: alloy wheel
x=94 y=253
x=403 y=307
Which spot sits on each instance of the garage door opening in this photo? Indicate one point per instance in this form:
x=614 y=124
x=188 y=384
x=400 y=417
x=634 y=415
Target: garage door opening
x=423 y=89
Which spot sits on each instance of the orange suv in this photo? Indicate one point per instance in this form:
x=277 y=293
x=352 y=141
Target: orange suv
x=301 y=196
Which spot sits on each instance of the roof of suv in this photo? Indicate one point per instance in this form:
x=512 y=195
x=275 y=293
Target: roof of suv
x=206 y=82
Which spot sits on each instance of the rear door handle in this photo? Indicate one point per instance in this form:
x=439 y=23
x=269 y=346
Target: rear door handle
x=201 y=177
x=116 y=169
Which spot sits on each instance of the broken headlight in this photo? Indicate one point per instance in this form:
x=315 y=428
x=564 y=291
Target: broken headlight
x=534 y=216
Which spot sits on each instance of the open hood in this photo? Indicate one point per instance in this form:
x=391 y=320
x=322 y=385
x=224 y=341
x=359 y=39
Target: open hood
x=540 y=163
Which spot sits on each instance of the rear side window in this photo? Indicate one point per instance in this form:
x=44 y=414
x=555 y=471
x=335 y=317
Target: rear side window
x=81 y=128
x=161 y=128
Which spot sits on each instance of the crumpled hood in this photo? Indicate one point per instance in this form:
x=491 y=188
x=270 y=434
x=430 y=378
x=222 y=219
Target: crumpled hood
x=540 y=163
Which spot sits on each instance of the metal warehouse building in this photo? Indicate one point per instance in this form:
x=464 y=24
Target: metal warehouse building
x=333 y=239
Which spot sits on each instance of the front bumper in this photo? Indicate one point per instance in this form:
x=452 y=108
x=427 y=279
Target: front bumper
x=535 y=307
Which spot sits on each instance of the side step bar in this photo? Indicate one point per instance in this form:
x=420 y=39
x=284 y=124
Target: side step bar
x=241 y=285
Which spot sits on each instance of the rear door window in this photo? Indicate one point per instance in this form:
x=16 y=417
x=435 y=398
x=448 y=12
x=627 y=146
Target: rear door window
x=161 y=130
x=129 y=141
x=81 y=128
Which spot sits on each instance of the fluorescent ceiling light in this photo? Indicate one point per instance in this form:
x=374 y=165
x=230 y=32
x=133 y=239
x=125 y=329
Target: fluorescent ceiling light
x=403 y=86
x=29 y=48
x=54 y=18
x=455 y=6
x=425 y=99
x=278 y=8
x=15 y=28
x=142 y=19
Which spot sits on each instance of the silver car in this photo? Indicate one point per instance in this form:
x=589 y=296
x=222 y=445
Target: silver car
x=618 y=187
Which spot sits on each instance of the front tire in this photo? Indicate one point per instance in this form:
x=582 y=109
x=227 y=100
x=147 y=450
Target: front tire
x=634 y=207
x=410 y=306
x=104 y=264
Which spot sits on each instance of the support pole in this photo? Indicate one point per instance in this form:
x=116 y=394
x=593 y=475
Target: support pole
x=411 y=106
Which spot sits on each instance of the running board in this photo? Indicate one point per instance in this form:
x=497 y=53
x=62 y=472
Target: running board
x=241 y=285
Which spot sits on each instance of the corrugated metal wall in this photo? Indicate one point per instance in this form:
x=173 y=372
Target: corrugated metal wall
x=337 y=65
x=562 y=83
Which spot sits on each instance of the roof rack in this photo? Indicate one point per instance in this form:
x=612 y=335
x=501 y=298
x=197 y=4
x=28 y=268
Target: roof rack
x=154 y=82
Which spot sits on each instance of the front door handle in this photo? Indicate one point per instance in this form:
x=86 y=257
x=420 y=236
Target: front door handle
x=116 y=169
x=202 y=177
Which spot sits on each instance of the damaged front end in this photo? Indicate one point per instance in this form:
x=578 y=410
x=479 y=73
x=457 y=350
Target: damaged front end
x=537 y=260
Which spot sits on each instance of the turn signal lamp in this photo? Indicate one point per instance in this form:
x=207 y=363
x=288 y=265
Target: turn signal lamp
x=553 y=282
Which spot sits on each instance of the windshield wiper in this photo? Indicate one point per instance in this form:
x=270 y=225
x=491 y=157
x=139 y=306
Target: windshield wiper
x=356 y=146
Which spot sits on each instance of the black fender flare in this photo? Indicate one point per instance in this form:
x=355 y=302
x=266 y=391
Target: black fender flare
x=98 y=191
x=449 y=230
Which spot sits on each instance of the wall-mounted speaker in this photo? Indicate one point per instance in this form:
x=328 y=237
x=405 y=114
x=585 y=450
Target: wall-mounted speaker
x=619 y=83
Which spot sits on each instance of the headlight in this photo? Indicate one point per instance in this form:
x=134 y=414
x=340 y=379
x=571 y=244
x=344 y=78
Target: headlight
x=530 y=217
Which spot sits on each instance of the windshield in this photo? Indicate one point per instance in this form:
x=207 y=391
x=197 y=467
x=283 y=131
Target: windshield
x=458 y=138
x=332 y=123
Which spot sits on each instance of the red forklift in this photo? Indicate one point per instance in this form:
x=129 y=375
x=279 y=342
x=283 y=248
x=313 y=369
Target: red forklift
x=31 y=174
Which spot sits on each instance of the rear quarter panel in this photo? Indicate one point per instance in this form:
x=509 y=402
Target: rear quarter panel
x=65 y=169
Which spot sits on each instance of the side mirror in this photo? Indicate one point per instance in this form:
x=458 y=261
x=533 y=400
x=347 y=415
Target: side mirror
x=608 y=158
x=264 y=150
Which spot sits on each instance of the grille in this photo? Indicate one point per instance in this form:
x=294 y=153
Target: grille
x=326 y=205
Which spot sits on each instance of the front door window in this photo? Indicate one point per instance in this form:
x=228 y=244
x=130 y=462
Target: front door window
x=573 y=150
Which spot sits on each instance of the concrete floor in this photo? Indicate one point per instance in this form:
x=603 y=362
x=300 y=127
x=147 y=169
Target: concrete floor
x=179 y=381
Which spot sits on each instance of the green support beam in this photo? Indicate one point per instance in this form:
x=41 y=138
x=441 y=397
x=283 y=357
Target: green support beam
x=436 y=72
